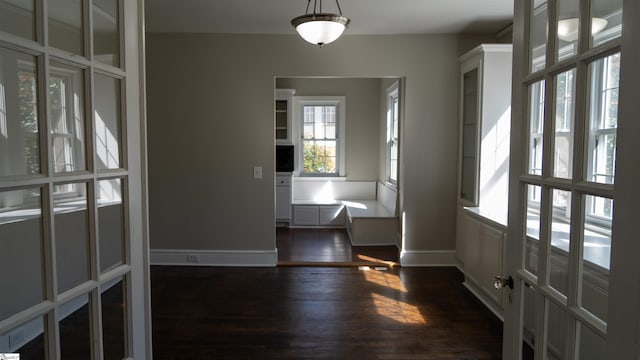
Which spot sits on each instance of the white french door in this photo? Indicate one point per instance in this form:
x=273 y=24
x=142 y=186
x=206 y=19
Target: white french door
x=73 y=263
x=572 y=203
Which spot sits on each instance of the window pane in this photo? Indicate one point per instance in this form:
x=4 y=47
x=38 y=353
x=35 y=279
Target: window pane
x=319 y=144
x=108 y=122
x=596 y=254
x=565 y=110
x=529 y=319
x=606 y=21
x=319 y=157
x=71 y=222
x=106 y=37
x=22 y=252
x=538 y=35
x=393 y=162
x=590 y=346
x=19 y=128
x=604 y=76
x=75 y=329
x=557 y=325
x=560 y=235
x=533 y=228
x=114 y=321
x=16 y=17
x=28 y=347
x=65 y=25
x=568 y=28
x=110 y=224
x=536 y=126
x=66 y=108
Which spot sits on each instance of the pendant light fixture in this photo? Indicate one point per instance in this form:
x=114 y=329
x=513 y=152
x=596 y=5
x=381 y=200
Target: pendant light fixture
x=320 y=28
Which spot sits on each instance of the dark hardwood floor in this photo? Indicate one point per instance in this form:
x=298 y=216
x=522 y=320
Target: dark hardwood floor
x=329 y=247
x=305 y=312
x=318 y=313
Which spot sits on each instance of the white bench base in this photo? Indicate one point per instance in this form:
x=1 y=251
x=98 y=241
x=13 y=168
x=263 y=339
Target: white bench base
x=370 y=223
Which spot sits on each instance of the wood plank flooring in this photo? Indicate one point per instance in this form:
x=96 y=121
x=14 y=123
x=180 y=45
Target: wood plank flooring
x=318 y=313
x=328 y=247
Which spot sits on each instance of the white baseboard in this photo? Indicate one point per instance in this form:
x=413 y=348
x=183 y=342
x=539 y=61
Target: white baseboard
x=428 y=258
x=264 y=258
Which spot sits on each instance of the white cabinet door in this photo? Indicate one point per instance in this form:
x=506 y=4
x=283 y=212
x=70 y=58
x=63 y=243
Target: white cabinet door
x=305 y=215
x=471 y=254
x=491 y=255
x=283 y=203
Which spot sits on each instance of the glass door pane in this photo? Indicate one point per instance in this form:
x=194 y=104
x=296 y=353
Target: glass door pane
x=71 y=223
x=66 y=27
x=560 y=240
x=17 y=18
x=108 y=122
x=539 y=24
x=67 y=115
x=114 y=320
x=22 y=255
x=532 y=236
x=596 y=242
x=606 y=21
x=19 y=119
x=604 y=80
x=568 y=12
x=536 y=126
x=564 y=109
x=110 y=224
x=106 y=32
x=75 y=329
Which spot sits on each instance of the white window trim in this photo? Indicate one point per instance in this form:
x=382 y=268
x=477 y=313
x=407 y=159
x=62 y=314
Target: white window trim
x=298 y=103
x=393 y=92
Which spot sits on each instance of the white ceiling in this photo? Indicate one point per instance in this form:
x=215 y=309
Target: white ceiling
x=367 y=16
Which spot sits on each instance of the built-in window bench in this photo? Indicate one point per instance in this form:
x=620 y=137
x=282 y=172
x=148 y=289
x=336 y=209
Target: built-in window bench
x=370 y=219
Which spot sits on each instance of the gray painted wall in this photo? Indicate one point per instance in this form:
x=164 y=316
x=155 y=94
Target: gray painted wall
x=210 y=120
x=361 y=98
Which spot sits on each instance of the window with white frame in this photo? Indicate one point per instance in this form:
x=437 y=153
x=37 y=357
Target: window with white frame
x=321 y=124
x=393 y=117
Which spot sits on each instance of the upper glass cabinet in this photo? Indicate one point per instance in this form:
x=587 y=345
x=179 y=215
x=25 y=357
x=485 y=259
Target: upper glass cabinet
x=485 y=120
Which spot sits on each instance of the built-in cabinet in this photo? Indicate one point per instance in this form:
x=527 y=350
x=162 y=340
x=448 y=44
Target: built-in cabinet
x=480 y=250
x=485 y=119
x=283 y=114
x=283 y=199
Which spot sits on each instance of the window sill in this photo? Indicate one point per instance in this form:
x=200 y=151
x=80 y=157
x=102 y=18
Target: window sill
x=319 y=178
x=490 y=216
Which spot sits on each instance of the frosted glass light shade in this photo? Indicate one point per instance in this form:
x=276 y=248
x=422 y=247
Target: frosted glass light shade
x=320 y=29
x=568 y=28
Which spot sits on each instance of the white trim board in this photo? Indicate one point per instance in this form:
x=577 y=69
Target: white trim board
x=263 y=258
x=428 y=258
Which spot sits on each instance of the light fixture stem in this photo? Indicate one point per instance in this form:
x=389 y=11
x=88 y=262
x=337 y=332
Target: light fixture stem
x=308 y=3
x=339 y=9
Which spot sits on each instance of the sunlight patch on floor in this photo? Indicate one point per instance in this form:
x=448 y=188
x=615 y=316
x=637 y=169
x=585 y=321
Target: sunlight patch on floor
x=385 y=279
x=398 y=310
